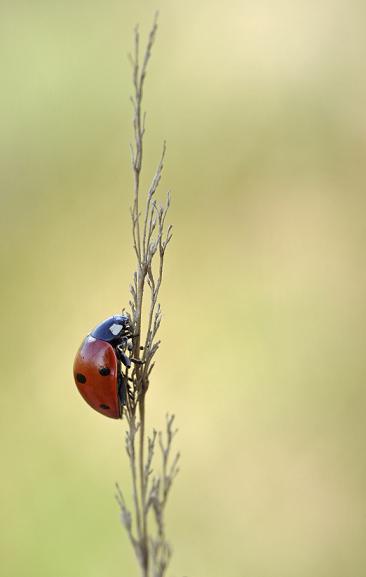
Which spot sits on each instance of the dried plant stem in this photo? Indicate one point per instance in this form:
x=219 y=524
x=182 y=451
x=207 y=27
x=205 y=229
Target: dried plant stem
x=150 y=239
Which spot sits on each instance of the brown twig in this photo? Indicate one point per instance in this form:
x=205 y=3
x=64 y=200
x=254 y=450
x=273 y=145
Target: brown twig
x=150 y=239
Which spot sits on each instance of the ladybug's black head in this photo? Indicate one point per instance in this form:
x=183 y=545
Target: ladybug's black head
x=113 y=329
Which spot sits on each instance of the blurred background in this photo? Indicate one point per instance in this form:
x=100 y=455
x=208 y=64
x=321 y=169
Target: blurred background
x=262 y=360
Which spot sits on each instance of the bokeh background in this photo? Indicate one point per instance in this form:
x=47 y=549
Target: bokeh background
x=263 y=108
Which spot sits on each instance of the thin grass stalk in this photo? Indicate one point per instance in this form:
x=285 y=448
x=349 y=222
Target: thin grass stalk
x=150 y=488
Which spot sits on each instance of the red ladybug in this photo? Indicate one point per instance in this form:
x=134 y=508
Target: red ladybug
x=97 y=366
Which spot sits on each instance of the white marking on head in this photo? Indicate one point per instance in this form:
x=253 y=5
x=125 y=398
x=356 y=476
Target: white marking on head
x=115 y=329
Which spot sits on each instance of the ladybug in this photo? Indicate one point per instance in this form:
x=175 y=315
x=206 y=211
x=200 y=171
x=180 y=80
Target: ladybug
x=97 y=366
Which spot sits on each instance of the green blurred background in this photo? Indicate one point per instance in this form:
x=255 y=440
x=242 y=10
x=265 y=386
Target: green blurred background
x=262 y=105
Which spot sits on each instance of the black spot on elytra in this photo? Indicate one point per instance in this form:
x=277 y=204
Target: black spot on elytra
x=81 y=378
x=102 y=406
x=104 y=371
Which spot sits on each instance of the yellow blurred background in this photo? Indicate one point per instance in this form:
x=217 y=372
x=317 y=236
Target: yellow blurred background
x=262 y=105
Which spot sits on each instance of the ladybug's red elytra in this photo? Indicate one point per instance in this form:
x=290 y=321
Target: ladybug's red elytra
x=97 y=366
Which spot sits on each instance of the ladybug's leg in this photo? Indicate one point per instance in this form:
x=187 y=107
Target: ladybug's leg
x=130 y=345
x=124 y=359
x=122 y=392
x=121 y=355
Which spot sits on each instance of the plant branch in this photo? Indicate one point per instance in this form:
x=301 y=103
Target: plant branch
x=150 y=239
